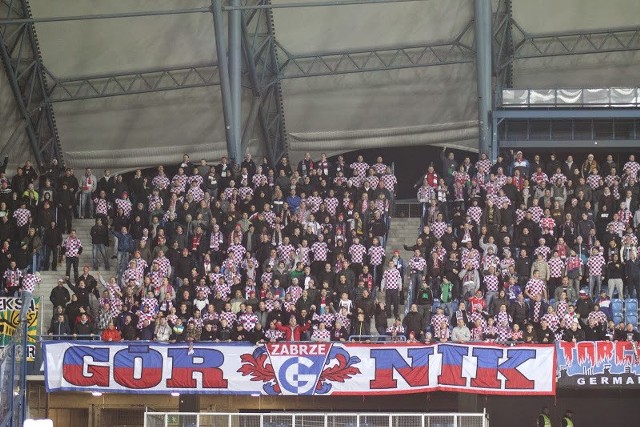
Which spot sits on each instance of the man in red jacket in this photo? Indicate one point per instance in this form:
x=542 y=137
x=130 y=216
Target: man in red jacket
x=293 y=332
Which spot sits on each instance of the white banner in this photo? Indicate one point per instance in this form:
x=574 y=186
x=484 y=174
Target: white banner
x=300 y=368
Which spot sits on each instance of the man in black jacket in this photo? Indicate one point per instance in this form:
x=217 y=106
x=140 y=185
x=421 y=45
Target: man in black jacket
x=51 y=241
x=413 y=322
x=100 y=241
x=60 y=295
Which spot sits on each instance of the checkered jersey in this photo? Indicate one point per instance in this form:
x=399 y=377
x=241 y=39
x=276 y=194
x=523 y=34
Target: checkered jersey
x=125 y=205
x=520 y=214
x=320 y=251
x=610 y=180
x=332 y=205
x=624 y=216
x=505 y=263
x=376 y=255
x=21 y=216
x=483 y=164
x=559 y=177
x=379 y=168
x=326 y=317
x=542 y=250
x=634 y=167
x=12 y=278
x=313 y=202
x=539 y=178
x=417 y=264
x=132 y=274
x=490 y=261
x=243 y=192
x=357 y=253
x=556 y=267
x=373 y=181
x=153 y=202
x=598 y=316
x=503 y=316
x=266 y=277
x=502 y=202
x=321 y=335
x=273 y=335
x=536 y=213
x=535 y=287
x=395 y=330
x=179 y=183
x=461 y=178
x=595 y=263
x=441 y=251
x=160 y=182
x=210 y=316
x=229 y=316
x=477 y=315
x=426 y=193
x=491 y=283
x=344 y=319
x=470 y=256
x=295 y=292
x=303 y=255
x=389 y=181
x=238 y=252
x=163 y=264
x=491 y=188
x=285 y=251
x=504 y=333
x=392 y=279
x=142 y=317
x=562 y=309
x=257 y=179
x=29 y=282
x=231 y=194
x=438 y=228
x=593 y=180
x=437 y=319
x=102 y=206
x=475 y=212
x=206 y=291
x=359 y=168
x=196 y=194
x=553 y=320
x=72 y=247
x=501 y=181
x=382 y=205
x=216 y=241
x=223 y=288
x=198 y=179
x=248 y=320
x=270 y=218
x=548 y=225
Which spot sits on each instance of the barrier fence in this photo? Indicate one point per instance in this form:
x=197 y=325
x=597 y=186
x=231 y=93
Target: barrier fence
x=193 y=419
x=13 y=367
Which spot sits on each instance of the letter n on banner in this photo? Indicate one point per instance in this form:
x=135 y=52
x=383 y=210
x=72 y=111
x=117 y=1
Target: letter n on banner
x=388 y=360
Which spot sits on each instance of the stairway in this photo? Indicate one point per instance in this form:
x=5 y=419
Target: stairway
x=50 y=278
x=404 y=231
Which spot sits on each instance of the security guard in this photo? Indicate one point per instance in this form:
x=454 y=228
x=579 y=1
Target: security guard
x=543 y=419
x=567 y=420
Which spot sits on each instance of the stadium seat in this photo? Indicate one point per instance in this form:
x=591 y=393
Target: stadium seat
x=631 y=306
x=552 y=301
x=631 y=318
x=436 y=304
x=616 y=306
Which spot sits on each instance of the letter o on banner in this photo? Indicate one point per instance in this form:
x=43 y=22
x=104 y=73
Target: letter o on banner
x=137 y=367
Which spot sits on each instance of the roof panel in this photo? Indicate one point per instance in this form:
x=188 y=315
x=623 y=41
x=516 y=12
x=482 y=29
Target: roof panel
x=75 y=48
x=320 y=29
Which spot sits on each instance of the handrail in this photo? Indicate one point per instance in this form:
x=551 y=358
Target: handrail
x=377 y=338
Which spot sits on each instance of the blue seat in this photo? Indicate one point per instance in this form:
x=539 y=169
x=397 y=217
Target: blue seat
x=617 y=318
x=616 y=306
x=631 y=306
x=436 y=304
x=631 y=318
x=552 y=301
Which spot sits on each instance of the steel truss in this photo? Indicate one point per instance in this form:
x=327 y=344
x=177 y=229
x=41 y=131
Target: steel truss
x=20 y=54
x=261 y=57
x=458 y=51
x=115 y=84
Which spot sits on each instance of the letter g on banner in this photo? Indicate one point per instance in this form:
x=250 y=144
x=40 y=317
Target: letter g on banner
x=297 y=376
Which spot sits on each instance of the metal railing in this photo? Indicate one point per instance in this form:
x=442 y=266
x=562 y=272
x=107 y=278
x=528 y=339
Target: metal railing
x=408 y=208
x=377 y=338
x=195 y=419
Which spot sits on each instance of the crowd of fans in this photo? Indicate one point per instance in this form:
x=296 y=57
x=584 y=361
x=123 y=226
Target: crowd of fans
x=526 y=250
x=205 y=252
x=513 y=251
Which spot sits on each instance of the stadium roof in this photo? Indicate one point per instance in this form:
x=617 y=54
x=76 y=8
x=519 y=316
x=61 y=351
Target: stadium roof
x=334 y=102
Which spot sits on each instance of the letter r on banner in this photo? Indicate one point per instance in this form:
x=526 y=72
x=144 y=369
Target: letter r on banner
x=207 y=362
